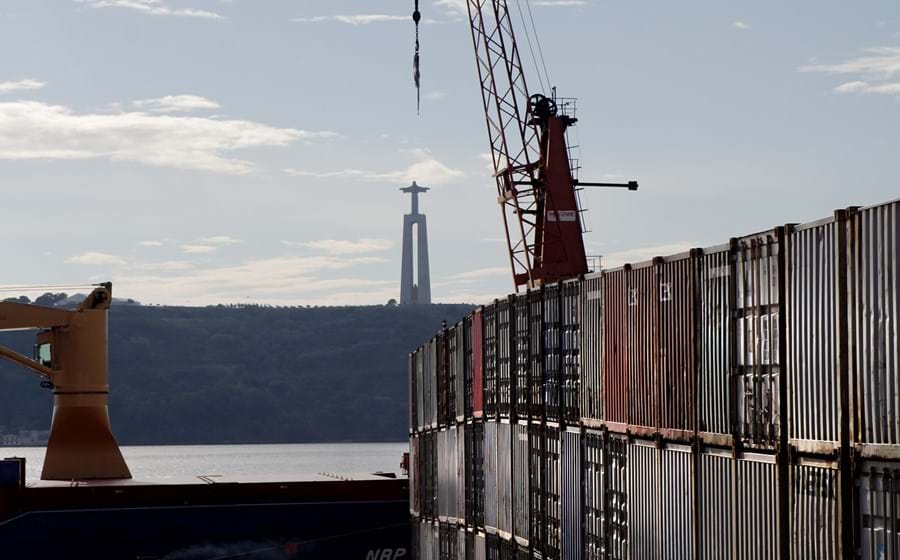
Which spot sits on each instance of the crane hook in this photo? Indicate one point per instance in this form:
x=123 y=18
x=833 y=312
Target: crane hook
x=417 y=17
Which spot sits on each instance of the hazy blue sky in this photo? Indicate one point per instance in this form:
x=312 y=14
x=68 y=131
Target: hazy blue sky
x=204 y=151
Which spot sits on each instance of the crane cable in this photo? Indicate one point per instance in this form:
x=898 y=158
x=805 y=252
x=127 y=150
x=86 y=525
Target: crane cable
x=537 y=39
x=417 y=16
x=537 y=69
x=46 y=287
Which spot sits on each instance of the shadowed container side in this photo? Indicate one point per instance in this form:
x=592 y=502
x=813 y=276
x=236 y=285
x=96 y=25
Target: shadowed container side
x=504 y=480
x=677 y=373
x=615 y=349
x=570 y=494
x=536 y=485
x=643 y=507
x=715 y=499
x=591 y=355
x=491 y=478
x=490 y=390
x=552 y=351
x=505 y=373
x=478 y=361
x=715 y=340
x=878 y=512
x=815 y=510
x=551 y=487
x=521 y=480
x=618 y=498
x=643 y=373
x=536 y=352
x=874 y=287
x=522 y=356
x=595 y=495
x=570 y=376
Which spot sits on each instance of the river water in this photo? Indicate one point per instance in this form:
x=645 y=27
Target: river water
x=178 y=462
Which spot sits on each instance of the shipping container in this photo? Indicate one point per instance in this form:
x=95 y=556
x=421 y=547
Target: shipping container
x=429 y=541
x=715 y=337
x=521 y=482
x=570 y=376
x=462 y=462
x=676 y=493
x=551 y=487
x=522 y=356
x=468 y=369
x=815 y=510
x=505 y=373
x=536 y=350
x=471 y=457
x=552 y=351
x=415 y=502
x=478 y=359
x=492 y=547
x=677 y=341
x=757 y=519
x=444 y=382
x=592 y=349
x=431 y=382
x=594 y=473
x=536 y=485
x=643 y=496
x=816 y=287
x=490 y=373
x=429 y=480
x=715 y=501
x=617 y=498
x=413 y=384
x=878 y=522
x=478 y=473
x=570 y=502
x=458 y=364
x=491 y=478
x=874 y=313
x=454 y=373
x=480 y=547
x=759 y=284
x=615 y=349
x=448 y=474
x=465 y=544
x=504 y=480
x=643 y=322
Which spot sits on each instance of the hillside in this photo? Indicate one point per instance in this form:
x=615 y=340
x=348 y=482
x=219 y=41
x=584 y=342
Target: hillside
x=239 y=375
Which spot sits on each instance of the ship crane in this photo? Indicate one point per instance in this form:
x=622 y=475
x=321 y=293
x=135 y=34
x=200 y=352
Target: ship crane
x=71 y=358
x=535 y=176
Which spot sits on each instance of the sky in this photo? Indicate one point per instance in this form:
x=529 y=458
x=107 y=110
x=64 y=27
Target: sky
x=197 y=152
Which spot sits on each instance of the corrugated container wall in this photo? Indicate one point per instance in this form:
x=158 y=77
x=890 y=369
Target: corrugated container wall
x=814 y=296
x=878 y=490
x=413 y=394
x=815 y=510
x=491 y=480
x=458 y=357
x=505 y=373
x=570 y=502
x=522 y=356
x=460 y=474
x=757 y=371
x=444 y=381
x=551 y=486
x=643 y=507
x=478 y=473
x=521 y=482
x=552 y=351
x=676 y=492
x=536 y=482
x=617 y=498
x=504 y=480
x=715 y=499
x=594 y=495
x=756 y=507
x=676 y=346
x=536 y=351
x=431 y=383
x=874 y=292
x=592 y=347
x=643 y=381
x=480 y=546
x=478 y=363
x=570 y=377
x=715 y=335
x=468 y=369
x=414 y=476
x=615 y=349
x=490 y=361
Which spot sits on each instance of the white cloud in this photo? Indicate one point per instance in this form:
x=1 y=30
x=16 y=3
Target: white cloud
x=151 y=7
x=427 y=170
x=176 y=104
x=892 y=88
x=197 y=249
x=488 y=272
x=93 y=258
x=740 y=25
x=151 y=243
x=219 y=240
x=435 y=95
x=641 y=254
x=457 y=7
x=354 y=19
x=344 y=247
x=35 y=130
x=20 y=85
x=882 y=63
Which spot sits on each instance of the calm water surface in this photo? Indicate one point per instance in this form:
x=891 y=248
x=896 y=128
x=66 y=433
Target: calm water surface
x=177 y=462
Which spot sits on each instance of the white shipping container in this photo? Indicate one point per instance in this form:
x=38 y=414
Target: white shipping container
x=504 y=479
x=756 y=507
x=715 y=332
x=491 y=480
x=715 y=499
x=570 y=502
x=676 y=502
x=643 y=495
x=815 y=510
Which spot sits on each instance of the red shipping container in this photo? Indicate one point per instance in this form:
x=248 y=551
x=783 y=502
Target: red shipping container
x=643 y=319
x=677 y=277
x=615 y=349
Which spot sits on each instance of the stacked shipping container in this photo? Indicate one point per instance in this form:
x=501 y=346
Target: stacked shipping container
x=739 y=401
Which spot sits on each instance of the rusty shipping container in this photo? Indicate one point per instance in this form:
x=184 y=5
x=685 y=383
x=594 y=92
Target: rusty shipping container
x=815 y=510
x=615 y=349
x=536 y=351
x=816 y=363
x=676 y=336
x=760 y=285
x=643 y=323
x=591 y=355
x=490 y=371
x=874 y=291
x=521 y=482
x=878 y=510
x=715 y=338
x=757 y=520
x=714 y=484
x=571 y=499
x=643 y=506
x=505 y=373
x=478 y=363
x=522 y=356
x=552 y=351
x=594 y=473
